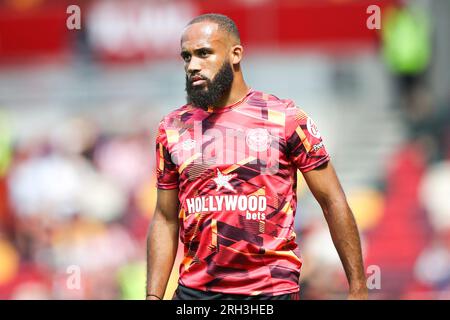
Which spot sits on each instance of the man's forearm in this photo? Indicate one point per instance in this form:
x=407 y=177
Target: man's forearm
x=162 y=243
x=344 y=233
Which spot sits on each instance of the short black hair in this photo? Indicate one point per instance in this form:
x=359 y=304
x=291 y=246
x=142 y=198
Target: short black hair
x=224 y=23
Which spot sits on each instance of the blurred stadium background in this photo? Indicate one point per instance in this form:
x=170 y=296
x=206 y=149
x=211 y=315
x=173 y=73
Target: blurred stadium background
x=78 y=117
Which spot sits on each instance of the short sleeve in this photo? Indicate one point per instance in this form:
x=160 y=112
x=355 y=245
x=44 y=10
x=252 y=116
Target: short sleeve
x=304 y=143
x=167 y=176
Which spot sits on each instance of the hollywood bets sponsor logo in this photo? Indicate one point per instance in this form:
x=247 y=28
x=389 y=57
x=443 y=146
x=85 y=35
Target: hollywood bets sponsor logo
x=253 y=206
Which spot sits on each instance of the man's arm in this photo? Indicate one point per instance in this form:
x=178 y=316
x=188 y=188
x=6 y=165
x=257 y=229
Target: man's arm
x=162 y=243
x=325 y=187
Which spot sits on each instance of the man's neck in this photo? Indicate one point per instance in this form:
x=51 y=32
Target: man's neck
x=239 y=90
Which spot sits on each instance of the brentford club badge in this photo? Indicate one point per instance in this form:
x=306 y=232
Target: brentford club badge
x=258 y=139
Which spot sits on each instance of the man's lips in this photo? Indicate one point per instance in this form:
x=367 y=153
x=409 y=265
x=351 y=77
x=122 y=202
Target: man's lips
x=197 y=80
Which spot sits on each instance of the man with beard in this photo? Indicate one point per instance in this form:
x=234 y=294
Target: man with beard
x=226 y=176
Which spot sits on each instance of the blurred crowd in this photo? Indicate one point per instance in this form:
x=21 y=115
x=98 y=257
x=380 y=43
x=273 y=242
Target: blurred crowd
x=404 y=218
x=404 y=221
x=75 y=196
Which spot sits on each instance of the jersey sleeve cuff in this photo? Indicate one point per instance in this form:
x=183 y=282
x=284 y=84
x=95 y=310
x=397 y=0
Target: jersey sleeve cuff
x=316 y=164
x=167 y=186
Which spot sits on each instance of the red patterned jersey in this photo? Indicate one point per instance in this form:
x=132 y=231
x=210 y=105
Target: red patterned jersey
x=236 y=171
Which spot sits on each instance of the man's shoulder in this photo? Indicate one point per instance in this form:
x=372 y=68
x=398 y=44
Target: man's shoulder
x=272 y=101
x=176 y=114
x=288 y=107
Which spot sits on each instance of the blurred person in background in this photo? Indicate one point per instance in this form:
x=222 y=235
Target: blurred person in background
x=407 y=49
x=229 y=253
x=432 y=268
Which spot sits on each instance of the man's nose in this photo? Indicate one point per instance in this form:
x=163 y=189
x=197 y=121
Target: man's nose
x=194 y=66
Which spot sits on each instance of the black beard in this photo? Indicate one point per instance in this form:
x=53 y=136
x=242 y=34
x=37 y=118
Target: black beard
x=211 y=93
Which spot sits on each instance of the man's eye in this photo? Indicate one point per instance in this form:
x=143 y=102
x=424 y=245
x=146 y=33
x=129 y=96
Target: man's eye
x=203 y=53
x=186 y=57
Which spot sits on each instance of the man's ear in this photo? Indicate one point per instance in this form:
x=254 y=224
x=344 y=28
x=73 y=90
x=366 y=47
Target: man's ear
x=236 y=54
